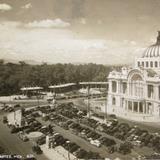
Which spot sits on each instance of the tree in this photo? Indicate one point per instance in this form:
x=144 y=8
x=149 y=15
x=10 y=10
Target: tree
x=14 y=76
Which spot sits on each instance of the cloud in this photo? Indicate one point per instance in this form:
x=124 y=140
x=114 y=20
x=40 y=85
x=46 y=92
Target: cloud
x=5 y=7
x=127 y=42
x=62 y=46
x=99 y=21
x=133 y=43
x=27 y=6
x=83 y=21
x=57 y=23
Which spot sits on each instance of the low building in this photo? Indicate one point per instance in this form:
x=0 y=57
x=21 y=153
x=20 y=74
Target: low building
x=15 y=118
x=96 y=104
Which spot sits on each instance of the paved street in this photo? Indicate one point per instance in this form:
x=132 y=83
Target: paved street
x=15 y=145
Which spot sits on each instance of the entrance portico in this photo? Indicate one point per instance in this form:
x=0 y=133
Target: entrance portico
x=138 y=106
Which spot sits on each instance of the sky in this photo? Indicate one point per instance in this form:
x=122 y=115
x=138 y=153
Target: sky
x=77 y=31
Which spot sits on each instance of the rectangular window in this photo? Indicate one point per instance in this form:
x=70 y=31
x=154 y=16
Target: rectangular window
x=150 y=91
x=150 y=108
x=147 y=64
x=130 y=105
x=124 y=87
x=159 y=91
x=156 y=64
x=135 y=106
x=114 y=86
x=141 y=107
x=113 y=101
x=142 y=64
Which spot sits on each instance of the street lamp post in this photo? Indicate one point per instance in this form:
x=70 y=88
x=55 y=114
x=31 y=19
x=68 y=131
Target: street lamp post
x=68 y=150
x=106 y=103
x=38 y=98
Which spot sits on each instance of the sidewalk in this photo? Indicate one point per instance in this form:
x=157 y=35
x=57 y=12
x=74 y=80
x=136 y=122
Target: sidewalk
x=58 y=153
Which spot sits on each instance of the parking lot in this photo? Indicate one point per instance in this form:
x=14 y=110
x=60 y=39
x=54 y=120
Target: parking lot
x=87 y=136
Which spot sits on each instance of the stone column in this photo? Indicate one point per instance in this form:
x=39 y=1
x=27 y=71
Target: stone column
x=145 y=90
x=156 y=92
x=147 y=110
x=126 y=105
x=110 y=86
x=138 y=107
x=132 y=106
x=118 y=86
x=143 y=108
x=128 y=89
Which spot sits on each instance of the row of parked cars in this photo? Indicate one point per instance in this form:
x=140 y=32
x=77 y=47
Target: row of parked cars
x=122 y=131
x=86 y=133
x=135 y=135
x=70 y=111
x=73 y=148
x=89 y=134
x=9 y=107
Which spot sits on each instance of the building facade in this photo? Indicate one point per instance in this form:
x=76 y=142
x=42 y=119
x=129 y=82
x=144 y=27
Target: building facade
x=134 y=93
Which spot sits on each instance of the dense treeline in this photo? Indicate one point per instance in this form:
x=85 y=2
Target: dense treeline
x=14 y=76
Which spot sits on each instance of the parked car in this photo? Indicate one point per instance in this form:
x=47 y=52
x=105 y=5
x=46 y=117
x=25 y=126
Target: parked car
x=22 y=136
x=5 y=120
x=17 y=105
x=95 y=143
x=36 y=149
x=41 y=140
x=15 y=129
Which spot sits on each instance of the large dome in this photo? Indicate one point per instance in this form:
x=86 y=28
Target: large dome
x=153 y=50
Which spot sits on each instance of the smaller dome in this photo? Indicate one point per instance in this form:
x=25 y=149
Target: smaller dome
x=153 y=50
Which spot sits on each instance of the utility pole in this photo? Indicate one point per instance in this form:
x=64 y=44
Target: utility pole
x=106 y=101
x=68 y=150
x=38 y=98
x=88 y=104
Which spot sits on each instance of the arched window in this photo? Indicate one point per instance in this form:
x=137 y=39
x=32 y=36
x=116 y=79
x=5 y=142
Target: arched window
x=136 y=77
x=151 y=64
x=136 y=86
x=113 y=101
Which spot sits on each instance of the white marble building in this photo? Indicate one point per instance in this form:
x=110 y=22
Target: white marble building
x=134 y=93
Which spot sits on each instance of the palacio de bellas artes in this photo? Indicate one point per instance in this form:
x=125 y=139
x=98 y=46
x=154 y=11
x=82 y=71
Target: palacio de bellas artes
x=134 y=93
